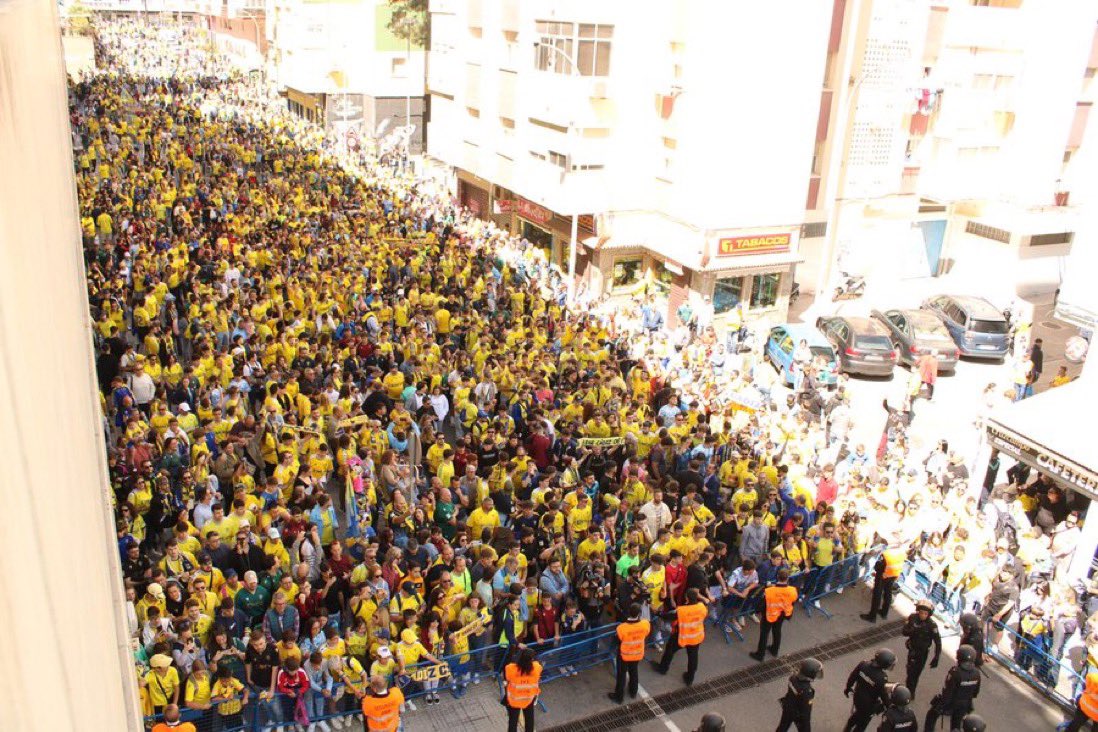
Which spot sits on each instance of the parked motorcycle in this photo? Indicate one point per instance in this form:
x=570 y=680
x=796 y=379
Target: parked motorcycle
x=850 y=287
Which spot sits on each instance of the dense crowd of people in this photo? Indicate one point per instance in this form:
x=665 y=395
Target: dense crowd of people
x=353 y=429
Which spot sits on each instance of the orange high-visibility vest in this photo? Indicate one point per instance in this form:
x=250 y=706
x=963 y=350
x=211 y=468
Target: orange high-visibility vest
x=894 y=562
x=691 y=622
x=1088 y=702
x=382 y=713
x=522 y=688
x=779 y=601
x=631 y=639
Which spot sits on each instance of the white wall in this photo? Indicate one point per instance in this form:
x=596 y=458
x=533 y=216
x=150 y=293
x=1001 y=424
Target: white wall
x=65 y=653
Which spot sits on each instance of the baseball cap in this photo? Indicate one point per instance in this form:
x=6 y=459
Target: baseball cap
x=273 y=534
x=384 y=652
x=160 y=661
x=156 y=591
x=184 y=407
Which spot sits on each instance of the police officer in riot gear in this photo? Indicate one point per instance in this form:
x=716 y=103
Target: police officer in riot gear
x=962 y=685
x=922 y=633
x=868 y=683
x=972 y=634
x=797 y=702
x=899 y=717
x=973 y=723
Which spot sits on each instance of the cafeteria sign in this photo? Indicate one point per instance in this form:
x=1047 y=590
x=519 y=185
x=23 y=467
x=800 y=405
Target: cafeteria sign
x=1044 y=460
x=761 y=244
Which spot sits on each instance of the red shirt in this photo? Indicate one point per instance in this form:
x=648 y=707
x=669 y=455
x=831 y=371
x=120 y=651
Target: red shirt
x=538 y=446
x=676 y=576
x=827 y=490
x=547 y=623
x=295 y=682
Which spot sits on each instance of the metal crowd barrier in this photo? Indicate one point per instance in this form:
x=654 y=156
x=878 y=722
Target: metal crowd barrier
x=1034 y=660
x=812 y=586
x=575 y=653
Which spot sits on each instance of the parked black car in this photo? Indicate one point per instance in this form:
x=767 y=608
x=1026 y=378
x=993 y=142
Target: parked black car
x=915 y=332
x=862 y=345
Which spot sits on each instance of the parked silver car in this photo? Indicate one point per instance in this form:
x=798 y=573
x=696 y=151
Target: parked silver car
x=915 y=332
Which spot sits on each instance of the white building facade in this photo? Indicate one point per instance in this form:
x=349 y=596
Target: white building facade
x=650 y=123
x=338 y=62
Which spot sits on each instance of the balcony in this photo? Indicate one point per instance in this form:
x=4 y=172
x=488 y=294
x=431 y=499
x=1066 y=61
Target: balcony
x=984 y=27
x=510 y=16
x=475 y=15
x=564 y=99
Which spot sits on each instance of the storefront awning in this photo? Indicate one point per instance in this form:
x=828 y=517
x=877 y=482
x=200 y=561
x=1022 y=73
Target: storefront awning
x=753 y=263
x=1046 y=432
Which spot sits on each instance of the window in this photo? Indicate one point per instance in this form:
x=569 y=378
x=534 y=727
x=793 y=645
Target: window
x=764 y=290
x=558 y=159
x=627 y=272
x=562 y=44
x=555 y=46
x=727 y=294
x=594 y=49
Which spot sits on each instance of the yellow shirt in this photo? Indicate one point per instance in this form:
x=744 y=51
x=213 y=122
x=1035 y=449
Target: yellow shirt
x=161 y=688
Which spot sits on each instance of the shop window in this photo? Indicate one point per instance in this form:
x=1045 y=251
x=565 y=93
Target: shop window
x=628 y=272
x=661 y=285
x=764 y=290
x=727 y=294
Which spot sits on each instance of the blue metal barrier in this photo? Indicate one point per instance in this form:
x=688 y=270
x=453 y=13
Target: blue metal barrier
x=1032 y=660
x=582 y=651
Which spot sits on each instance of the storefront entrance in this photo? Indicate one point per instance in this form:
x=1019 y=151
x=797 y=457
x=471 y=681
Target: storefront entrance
x=539 y=237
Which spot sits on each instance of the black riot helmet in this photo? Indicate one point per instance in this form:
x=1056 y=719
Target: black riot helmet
x=969 y=621
x=900 y=696
x=966 y=654
x=973 y=723
x=811 y=669
x=711 y=722
x=884 y=658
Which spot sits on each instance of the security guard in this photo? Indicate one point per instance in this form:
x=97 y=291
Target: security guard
x=885 y=572
x=899 y=717
x=868 y=683
x=522 y=689
x=972 y=634
x=1086 y=706
x=381 y=706
x=631 y=637
x=779 y=599
x=797 y=702
x=688 y=633
x=973 y=723
x=962 y=685
x=922 y=633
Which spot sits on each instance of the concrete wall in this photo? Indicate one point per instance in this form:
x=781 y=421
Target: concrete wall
x=65 y=655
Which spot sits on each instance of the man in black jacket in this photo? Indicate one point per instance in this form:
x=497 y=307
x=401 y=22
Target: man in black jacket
x=921 y=632
x=868 y=684
x=797 y=702
x=962 y=686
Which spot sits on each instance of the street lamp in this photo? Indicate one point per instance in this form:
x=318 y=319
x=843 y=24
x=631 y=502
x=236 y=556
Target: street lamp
x=575 y=217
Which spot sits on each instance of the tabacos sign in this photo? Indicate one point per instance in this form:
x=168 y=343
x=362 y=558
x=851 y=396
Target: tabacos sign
x=756 y=244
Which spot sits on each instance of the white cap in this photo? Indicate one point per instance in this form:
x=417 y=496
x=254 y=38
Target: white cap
x=184 y=407
x=273 y=533
x=384 y=652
